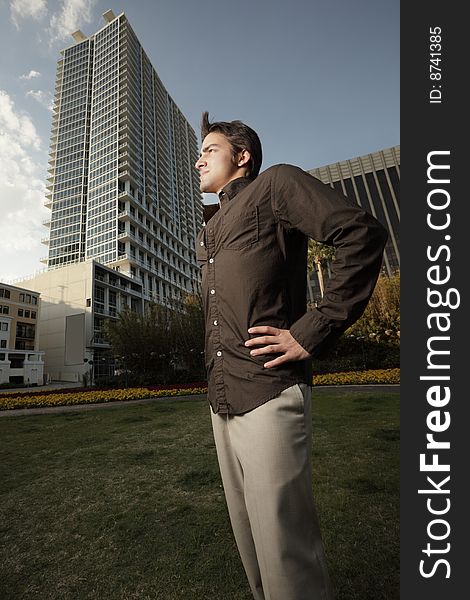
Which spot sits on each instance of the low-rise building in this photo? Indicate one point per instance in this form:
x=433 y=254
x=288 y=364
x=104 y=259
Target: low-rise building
x=21 y=361
x=76 y=300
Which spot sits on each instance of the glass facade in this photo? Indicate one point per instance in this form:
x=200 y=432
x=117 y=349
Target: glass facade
x=69 y=156
x=101 y=239
x=123 y=188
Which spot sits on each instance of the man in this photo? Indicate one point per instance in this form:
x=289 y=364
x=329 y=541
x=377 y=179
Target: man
x=260 y=341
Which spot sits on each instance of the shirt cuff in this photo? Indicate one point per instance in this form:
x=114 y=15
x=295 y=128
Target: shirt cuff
x=314 y=333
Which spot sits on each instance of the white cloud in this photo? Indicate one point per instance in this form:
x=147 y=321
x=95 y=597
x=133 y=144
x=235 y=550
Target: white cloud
x=73 y=14
x=24 y=9
x=19 y=126
x=44 y=98
x=22 y=188
x=31 y=75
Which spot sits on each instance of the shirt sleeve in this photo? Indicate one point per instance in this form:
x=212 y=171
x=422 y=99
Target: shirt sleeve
x=302 y=202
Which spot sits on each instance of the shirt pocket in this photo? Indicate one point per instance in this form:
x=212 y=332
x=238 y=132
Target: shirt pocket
x=240 y=230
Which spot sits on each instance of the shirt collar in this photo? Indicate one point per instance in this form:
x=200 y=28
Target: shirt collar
x=226 y=193
x=233 y=188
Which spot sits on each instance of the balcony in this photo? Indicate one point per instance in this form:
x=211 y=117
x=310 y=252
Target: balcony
x=124 y=236
x=124 y=214
x=99 y=310
x=44 y=260
x=47 y=222
x=123 y=109
x=127 y=174
x=125 y=195
x=120 y=258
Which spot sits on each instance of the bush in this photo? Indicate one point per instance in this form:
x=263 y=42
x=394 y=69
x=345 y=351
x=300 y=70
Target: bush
x=381 y=319
x=373 y=342
x=353 y=353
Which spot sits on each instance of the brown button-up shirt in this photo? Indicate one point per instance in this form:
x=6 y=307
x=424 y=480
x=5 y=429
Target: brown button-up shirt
x=253 y=254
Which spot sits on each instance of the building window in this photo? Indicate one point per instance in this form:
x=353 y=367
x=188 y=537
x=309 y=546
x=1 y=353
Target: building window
x=33 y=314
x=112 y=303
x=99 y=299
x=28 y=299
x=20 y=312
x=25 y=330
x=27 y=314
x=4 y=309
x=24 y=336
x=3 y=343
x=4 y=293
x=3 y=326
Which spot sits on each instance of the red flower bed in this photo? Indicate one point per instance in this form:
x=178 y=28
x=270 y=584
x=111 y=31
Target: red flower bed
x=179 y=386
x=170 y=386
x=40 y=392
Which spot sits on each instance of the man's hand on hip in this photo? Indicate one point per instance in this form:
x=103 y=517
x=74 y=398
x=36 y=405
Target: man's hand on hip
x=277 y=341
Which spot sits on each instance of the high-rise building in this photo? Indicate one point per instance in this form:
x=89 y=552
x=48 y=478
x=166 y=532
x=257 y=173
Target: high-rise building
x=122 y=187
x=124 y=198
x=373 y=181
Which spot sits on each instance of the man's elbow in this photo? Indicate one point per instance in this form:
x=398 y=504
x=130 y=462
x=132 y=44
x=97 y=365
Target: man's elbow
x=384 y=235
x=379 y=234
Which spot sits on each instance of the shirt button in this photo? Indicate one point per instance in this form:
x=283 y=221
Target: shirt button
x=212 y=291
x=219 y=353
x=211 y=260
x=202 y=243
x=215 y=322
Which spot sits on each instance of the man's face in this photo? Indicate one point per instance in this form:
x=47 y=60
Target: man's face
x=216 y=164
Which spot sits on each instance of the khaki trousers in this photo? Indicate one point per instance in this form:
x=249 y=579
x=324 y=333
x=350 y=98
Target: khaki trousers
x=265 y=463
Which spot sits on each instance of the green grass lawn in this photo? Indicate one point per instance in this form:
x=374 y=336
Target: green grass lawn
x=125 y=502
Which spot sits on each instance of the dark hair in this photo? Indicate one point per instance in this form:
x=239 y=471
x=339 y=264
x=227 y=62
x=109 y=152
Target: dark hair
x=240 y=136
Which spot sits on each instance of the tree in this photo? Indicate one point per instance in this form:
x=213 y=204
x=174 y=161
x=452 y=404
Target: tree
x=187 y=330
x=318 y=255
x=140 y=342
x=164 y=345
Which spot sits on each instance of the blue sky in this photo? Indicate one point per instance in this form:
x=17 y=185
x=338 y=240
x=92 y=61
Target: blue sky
x=317 y=79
